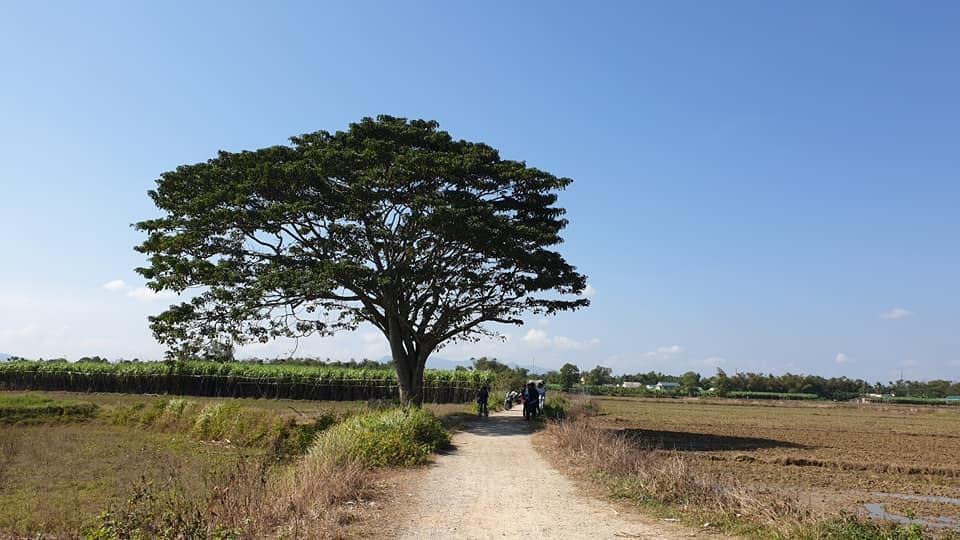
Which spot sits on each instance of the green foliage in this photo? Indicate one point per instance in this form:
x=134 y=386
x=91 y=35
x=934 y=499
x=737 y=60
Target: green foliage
x=555 y=408
x=569 y=376
x=392 y=222
x=599 y=376
x=236 y=379
x=403 y=436
x=504 y=377
x=35 y=409
x=690 y=383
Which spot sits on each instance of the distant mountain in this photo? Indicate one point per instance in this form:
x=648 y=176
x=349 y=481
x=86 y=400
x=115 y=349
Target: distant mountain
x=435 y=362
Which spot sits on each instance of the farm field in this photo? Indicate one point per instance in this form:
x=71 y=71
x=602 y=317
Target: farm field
x=58 y=474
x=832 y=456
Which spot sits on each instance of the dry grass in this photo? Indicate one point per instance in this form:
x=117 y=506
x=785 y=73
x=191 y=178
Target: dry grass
x=664 y=478
x=326 y=493
x=165 y=475
x=313 y=497
x=7 y=451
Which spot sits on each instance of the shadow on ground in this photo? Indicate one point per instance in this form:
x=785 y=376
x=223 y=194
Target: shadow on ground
x=500 y=424
x=682 y=441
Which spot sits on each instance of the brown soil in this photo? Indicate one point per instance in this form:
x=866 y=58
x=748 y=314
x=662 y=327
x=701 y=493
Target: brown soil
x=836 y=456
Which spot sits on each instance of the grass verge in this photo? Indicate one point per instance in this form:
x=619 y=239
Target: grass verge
x=315 y=496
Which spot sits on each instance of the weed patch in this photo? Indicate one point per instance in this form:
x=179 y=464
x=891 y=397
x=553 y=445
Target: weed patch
x=227 y=422
x=404 y=436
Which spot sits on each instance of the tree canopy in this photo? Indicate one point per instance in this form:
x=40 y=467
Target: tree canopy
x=569 y=376
x=391 y=222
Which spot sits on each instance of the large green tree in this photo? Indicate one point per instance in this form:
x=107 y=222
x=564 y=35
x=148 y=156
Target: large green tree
x=391 y=222
x=569 y=376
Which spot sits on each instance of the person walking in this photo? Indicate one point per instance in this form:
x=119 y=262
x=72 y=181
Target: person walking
x=530 y=401
x=483 y=396
x=541 y=396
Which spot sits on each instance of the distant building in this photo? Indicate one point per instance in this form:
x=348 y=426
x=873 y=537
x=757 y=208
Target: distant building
x=953 y=398
x=663 y=386
x=632 y=384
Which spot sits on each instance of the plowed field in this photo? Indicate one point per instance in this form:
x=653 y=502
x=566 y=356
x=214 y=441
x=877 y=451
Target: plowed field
x=833 y=456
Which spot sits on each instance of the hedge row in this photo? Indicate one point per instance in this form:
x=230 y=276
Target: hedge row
x=235 y=379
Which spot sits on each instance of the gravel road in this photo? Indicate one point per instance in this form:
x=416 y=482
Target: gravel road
x=479 y=490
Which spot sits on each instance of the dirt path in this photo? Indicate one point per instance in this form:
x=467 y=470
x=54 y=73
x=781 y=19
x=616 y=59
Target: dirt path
x=462 y=495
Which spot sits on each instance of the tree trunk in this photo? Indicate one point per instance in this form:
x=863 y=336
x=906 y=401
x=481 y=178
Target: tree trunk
x=409 y=366
x=411 y=382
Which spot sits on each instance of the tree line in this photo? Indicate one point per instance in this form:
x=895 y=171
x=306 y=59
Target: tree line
x=721 y=383
x=692 y=383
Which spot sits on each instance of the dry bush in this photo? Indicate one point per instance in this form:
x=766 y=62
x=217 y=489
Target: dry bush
x=307 y=500
x=312 y=500
x=664 y=477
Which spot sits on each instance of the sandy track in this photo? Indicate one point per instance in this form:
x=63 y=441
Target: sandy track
x=465 y=495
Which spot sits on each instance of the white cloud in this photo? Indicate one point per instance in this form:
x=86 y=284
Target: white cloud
x=670 y=349
x=115 y=285
x=842 y=359
x=588 y=291
x=539 y=339
x=146 y=294
x=897 y=313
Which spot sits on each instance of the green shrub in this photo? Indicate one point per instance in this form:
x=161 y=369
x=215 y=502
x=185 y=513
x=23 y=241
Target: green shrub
x=244 y=427
x=403 y=436
x=555 y=408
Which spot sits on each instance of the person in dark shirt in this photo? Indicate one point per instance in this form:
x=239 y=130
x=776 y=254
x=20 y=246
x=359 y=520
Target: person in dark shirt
x=531 y=399
x=483 y=395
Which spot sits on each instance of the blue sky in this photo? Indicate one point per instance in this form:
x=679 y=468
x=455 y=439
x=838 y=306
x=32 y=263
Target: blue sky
x=760 y=186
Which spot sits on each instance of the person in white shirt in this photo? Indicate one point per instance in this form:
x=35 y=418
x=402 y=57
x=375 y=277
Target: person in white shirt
x=542 y=390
